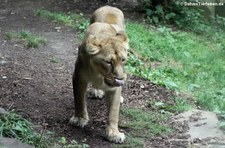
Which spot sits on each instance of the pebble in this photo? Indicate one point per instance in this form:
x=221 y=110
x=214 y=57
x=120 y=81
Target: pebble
x=2 y=62
x=2 y=111
x=13 y=143
x=57 y=29
x=3 y=17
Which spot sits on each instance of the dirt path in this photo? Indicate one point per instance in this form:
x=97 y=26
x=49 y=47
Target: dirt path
x=40 y=89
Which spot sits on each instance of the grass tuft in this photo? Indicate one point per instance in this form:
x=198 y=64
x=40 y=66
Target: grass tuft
x=31 y=40
x=74 y=20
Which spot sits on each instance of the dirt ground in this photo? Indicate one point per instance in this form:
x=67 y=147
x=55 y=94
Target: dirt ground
x=41 y=90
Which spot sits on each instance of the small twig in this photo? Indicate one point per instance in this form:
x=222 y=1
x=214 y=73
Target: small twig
x=27 y=78
x=10 y=106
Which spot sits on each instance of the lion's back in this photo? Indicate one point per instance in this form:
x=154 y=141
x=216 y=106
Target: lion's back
x=110 y=15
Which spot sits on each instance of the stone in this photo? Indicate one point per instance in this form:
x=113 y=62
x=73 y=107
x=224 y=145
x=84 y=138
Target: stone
x=203 y=125
x=2 y=62
x=13 y=143
x=2 y=111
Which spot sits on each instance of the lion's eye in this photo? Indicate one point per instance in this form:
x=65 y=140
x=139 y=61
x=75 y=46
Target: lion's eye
x=123 y=60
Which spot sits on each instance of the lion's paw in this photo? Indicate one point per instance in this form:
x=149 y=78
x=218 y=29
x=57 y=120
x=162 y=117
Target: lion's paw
x=115 y=136
x=78 y=121
x=98 y=93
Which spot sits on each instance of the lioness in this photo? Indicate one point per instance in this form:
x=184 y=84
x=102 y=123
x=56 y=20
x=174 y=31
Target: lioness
x=100 y=60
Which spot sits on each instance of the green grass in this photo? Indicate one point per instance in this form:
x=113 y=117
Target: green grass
x=30 y=40
x=14 y=126
x=74 y=20
x=180 y=60
x=144 y=122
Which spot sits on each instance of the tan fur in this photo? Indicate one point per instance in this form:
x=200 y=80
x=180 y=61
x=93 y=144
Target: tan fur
x=100 y=62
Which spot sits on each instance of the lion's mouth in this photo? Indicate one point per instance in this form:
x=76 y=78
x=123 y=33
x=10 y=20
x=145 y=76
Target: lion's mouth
x=113 y=82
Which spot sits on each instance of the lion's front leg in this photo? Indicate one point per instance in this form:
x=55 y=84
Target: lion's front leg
x=113 y=105
x=80 y=117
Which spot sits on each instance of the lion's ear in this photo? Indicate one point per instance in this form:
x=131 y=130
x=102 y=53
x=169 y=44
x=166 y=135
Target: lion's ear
x=122 y=36
x=93 y=45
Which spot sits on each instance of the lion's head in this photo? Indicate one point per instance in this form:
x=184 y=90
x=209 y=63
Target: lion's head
x=107 y=57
